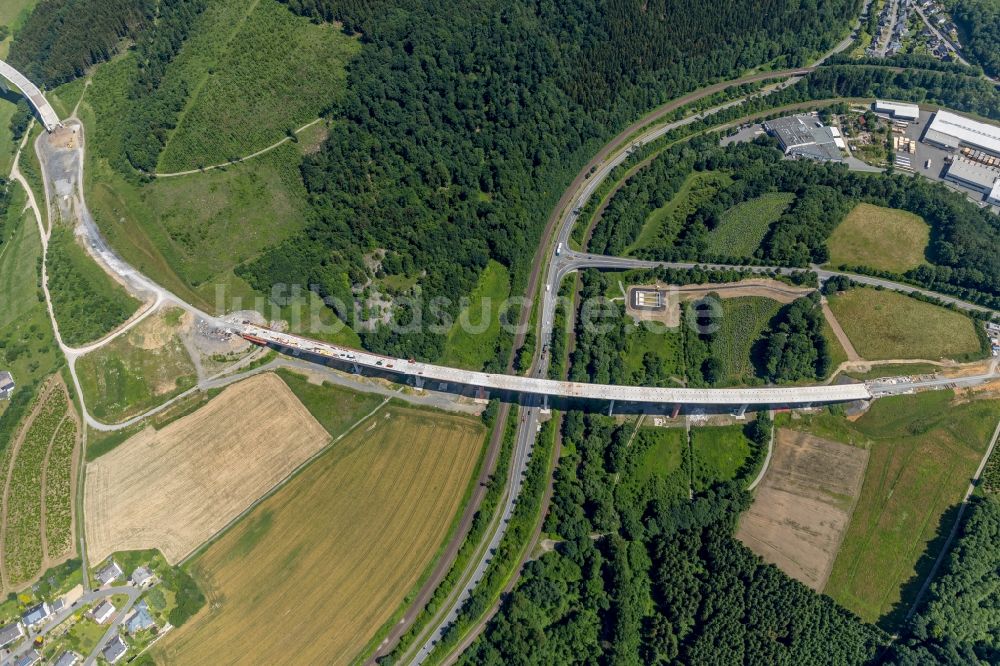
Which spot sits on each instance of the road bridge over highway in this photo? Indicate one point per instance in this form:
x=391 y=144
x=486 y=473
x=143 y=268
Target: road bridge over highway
x=422 y=373
x=45 y=111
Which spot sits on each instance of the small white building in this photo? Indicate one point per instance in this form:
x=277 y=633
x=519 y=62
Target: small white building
x=6 y=385
x=103 y=613
x=897 y=110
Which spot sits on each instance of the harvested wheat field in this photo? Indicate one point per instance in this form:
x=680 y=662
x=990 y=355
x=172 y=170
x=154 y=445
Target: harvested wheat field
x=174 y=488
x=316 y=569
x=802 y=508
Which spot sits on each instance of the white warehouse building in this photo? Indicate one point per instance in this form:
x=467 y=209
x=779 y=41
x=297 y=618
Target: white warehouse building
x=952 y=131
x=897 y=110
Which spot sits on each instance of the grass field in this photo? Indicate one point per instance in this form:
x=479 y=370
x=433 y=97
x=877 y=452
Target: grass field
x=923 y=451
x=138 y=370
x=188 y=233
x=37 y=507
x=174 y=488
x=13 y=14
x=27 y=347
x=254 y=70
x=473 y=337
x=887 y=325
x=662 y=456
x=336 y=408
x=663 y=223
x=883 y=238
x=745 y=320
x=386 y=494
x=87 y=302
x=8 y=104
x=665 y=350
x=718 y=453
x=745 y=225
x=837 y=353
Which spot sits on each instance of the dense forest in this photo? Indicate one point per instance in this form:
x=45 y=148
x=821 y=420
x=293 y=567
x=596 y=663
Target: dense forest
x=979 y=22
x=62 y=38
x=463 y=122
x=958 y=624
x=645 y=575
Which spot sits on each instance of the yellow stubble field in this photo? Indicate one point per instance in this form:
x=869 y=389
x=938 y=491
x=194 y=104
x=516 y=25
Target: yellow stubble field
x=313 y=572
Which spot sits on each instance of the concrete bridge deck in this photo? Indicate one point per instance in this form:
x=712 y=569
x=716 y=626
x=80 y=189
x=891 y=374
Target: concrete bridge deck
x=45 y=111
x=426 y=372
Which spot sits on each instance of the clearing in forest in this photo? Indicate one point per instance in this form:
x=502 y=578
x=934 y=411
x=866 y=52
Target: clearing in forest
x=884 y=324
x=802 y=508
x=923 y=449
x=174 y=488
x=381 y=502
x=744 y=226
x=886 y=239
x=255 y=70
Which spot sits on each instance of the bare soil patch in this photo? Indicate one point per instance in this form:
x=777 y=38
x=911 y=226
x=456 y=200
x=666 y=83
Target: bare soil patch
x=802 y=508
x=174 y=488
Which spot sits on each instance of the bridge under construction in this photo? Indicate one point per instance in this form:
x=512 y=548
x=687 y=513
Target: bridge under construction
x=46 y=113
x=434 y=376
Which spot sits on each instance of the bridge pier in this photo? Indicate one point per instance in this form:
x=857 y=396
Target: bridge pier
x=740 y=411
x=418 y=382
x=357 y=368
x=545 y=402
x=611 y=408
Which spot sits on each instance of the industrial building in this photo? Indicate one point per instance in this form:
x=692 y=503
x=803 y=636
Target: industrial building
x=994 y=196
x=897 y=110
x=951 y=131
x=806 y=137
x=974 y=176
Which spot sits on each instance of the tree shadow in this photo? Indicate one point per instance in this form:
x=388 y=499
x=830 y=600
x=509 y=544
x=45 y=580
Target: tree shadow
x=893 y=620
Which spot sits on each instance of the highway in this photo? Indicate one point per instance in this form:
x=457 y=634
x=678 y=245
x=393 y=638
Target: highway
x=45 y=111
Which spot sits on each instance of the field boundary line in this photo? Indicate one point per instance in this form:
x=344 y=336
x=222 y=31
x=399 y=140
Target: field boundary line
x=239 y=160
x=955 y=525
x=767 y=460
x=278 y=486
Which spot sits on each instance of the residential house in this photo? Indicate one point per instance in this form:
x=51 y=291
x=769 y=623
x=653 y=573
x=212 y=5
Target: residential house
x=10 y=633
x=67 y=658
x=37 y=614
x=109 y=573
x=141 y=576
x=115 y=649
x=140 y=619
x=103 y=612
x=29 y=659
x=6 y=385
